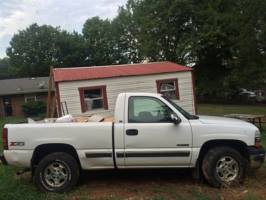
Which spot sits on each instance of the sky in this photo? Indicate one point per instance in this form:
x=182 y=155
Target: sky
x=68 y=14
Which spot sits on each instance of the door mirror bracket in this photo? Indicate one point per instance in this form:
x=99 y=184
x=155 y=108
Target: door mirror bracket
x=175 y=119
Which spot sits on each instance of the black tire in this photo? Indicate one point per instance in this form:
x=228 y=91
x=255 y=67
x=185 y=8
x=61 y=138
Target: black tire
x=215 y=167
x=56 y=172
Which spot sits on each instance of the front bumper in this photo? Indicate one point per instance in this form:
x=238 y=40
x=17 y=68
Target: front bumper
x=256 y=157
x=2 y=159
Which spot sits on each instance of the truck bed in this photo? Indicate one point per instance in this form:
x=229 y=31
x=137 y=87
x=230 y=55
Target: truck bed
x=77 y=119
x=84 y=137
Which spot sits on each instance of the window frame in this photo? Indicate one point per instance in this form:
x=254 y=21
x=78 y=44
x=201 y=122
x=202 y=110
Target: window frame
x=82 y=97
x=150 y=97
x=26 y=97
x=175 y=80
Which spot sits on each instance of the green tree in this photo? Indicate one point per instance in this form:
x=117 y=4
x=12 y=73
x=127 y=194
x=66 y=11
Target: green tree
x=224 y=40
x=213 y=37
x=249 y=66
x=99 y=39
x=228 y=45
x=34 y=108
x=4 y=66
x=126 y=31
x=160 y=29
x=72 y=50
x=34 y=49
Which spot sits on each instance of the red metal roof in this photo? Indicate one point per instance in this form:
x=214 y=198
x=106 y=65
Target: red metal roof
x=98 y=72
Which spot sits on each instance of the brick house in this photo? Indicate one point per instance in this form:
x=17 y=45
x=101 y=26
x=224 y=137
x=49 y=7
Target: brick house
x=15 y=92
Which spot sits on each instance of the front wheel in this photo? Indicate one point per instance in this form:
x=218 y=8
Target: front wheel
x=224 y=166
x=56 y=172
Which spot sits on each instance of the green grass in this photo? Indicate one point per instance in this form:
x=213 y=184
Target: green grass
x=251 y=196
x=13 y=187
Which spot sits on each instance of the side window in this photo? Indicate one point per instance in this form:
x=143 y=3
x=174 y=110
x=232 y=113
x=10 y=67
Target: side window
x=30 y=98
x=92 y=98
x=168 y=88
x=148 y=110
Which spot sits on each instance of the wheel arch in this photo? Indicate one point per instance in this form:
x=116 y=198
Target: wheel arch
x=238 y=145
x=45 y=149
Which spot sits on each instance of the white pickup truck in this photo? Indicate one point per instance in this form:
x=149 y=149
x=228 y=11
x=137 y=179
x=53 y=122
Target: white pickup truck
x=148 y=131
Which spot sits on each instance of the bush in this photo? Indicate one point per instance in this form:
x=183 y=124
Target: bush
x=34 y=108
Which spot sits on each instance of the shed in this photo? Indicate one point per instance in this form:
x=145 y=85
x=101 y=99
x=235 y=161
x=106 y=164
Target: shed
x=89 y=90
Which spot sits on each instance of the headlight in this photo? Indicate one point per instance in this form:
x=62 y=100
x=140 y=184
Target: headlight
x=258 y=143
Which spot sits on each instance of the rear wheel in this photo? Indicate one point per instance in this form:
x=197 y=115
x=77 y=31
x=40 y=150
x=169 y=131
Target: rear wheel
x=223 y=166
x=56 y=172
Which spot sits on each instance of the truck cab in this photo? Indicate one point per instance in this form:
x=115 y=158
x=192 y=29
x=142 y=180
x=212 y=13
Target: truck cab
x=155 y=134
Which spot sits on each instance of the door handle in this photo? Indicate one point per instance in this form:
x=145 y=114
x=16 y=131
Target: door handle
x=132 y=132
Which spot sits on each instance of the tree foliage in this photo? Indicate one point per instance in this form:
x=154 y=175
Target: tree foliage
x=163 y=29
x=33 y=50
x=227 y=50
x=34 y=108
x=4 y=66
x=99 y=38
x=223 y=40
x=126 y=31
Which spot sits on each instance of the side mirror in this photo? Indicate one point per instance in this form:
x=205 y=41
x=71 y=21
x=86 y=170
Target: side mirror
x=175 y=119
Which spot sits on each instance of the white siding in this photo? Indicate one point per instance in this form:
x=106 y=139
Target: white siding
x=69 y=90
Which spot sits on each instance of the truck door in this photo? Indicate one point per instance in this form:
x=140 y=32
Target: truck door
x=151 y=137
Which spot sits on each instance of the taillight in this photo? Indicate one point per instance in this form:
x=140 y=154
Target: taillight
x=5 y=139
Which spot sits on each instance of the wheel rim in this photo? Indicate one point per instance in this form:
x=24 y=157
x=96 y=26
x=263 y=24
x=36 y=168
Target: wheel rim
x=227 y=169
x=56 y=174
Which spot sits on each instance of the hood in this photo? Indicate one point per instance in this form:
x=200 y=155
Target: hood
x=224 y=121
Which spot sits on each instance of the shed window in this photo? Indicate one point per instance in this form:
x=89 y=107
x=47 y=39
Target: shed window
x=92 y=98
x=169 y=88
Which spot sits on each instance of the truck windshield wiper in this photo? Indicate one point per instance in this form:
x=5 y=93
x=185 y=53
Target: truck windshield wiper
x=195 y=116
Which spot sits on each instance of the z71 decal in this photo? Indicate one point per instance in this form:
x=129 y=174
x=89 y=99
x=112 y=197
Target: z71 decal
x=17 y=144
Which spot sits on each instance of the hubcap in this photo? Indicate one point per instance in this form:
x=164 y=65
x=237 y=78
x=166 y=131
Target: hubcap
x=56 y=174
x=227 y=169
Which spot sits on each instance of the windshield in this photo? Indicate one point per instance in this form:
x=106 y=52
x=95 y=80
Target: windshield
x=181 y=110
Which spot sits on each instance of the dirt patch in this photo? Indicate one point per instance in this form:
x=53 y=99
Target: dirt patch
x=162 y=184
x=167 y=184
